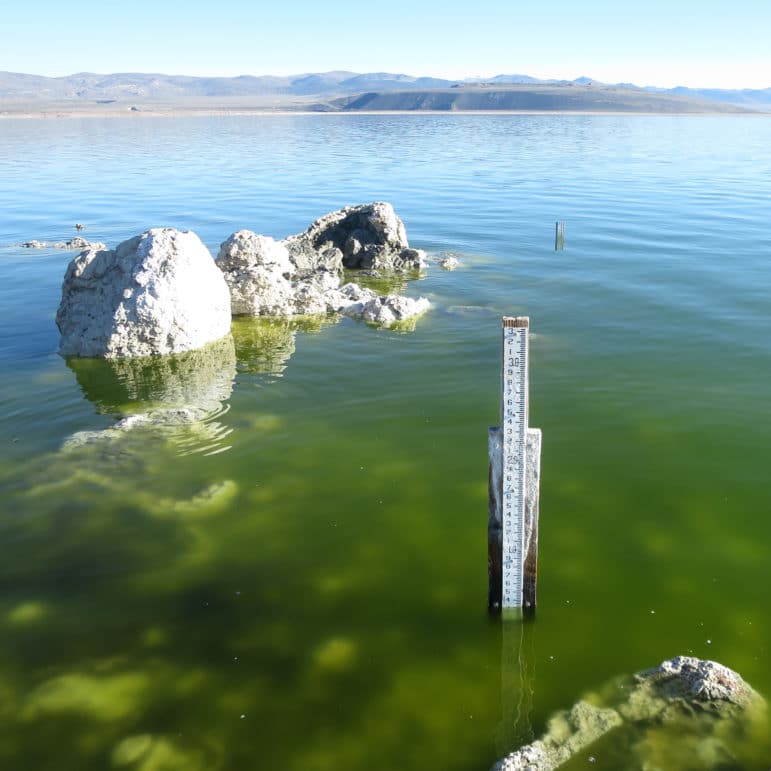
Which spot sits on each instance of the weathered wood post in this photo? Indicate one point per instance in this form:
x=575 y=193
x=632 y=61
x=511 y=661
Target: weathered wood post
x=559 y=236
x=515 y=465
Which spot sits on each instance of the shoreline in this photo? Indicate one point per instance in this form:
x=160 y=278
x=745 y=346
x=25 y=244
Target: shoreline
x=182 y=112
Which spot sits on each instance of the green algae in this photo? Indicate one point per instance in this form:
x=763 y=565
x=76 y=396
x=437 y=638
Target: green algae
x=100 y=697
x=27 y=613
x=312 y=596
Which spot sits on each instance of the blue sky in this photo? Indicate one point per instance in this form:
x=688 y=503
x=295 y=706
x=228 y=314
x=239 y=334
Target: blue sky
x=679 y=42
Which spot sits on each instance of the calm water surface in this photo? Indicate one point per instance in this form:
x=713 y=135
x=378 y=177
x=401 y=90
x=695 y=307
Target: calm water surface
x=298 y=580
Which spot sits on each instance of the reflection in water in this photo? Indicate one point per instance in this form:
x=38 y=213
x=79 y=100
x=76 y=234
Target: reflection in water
x=201 y=379
x=178 y=396
x=382 y=283
x=517 y=681
x=265 y=345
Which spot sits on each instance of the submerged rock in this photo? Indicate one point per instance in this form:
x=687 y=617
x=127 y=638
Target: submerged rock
x=674 y=686
x=101 y=696
x=388 y=310
x=349 y=299
x=568 y=733
x=697 y=698
x=79 y=243
x=359 y=302
x=157 y=293
x=449 y=263
x=145 y=752
x=73 y=243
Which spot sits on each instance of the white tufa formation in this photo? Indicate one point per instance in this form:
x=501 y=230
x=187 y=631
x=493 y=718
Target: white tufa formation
x=157 y=293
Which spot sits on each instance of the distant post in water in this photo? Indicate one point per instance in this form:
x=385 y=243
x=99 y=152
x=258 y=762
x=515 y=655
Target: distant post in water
x=515 y=464
x=559 y=236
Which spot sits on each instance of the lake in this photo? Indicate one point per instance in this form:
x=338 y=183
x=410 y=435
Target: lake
x=298 y=580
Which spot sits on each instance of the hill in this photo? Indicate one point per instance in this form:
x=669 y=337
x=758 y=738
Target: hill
x=570 y=97
x=343 y=91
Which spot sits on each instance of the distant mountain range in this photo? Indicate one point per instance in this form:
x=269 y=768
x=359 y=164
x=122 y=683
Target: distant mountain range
x=87 y=85
x=345 y=91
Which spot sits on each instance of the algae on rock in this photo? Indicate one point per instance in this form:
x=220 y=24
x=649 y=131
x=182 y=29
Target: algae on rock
x=705 y=703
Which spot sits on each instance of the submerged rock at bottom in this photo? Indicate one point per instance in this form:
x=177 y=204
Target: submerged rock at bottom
x=693 y=696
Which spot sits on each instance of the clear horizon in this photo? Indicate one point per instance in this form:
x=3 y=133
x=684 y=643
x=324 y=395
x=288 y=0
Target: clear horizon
x=694 y=44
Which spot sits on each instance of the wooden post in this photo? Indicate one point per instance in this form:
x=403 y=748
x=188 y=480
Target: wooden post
x=532 y=500
x=495 y=525
x=559 y=236
x=514 y=452
x=494 y=519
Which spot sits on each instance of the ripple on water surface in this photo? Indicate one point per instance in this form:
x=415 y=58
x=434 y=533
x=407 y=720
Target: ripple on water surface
x=283 y=536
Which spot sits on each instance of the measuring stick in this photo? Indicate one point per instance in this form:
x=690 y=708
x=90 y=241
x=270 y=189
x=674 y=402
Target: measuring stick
x=514 y=418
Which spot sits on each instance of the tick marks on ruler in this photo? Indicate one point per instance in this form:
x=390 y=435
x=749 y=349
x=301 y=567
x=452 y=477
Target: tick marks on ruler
x=511 y=559
x=513 y=412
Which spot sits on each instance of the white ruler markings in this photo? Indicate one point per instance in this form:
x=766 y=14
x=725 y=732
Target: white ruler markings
x=514 y=420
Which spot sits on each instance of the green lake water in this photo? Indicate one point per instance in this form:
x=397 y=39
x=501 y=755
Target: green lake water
x=297 y=579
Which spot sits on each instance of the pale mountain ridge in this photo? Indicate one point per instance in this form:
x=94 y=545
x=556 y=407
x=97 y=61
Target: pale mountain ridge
x=329 y=90
x=89 y=85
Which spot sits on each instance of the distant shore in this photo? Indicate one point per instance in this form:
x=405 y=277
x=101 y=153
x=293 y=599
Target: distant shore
x=52 y=113
x=140 y=94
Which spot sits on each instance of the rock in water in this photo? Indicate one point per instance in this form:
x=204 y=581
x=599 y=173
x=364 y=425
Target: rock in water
x=157 y=293
x=263 y=281
x=257 y=270
x=350 y=297
x=701 y=700
x=675 y=686
x=369 y=236
x=266 y=278
x=388 y=310
x=310 y=294
x=449 y=263
x=73 y=243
